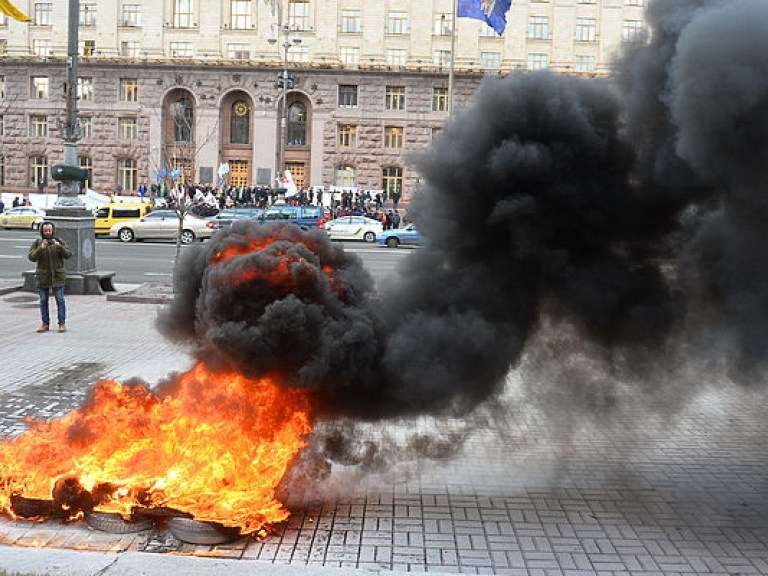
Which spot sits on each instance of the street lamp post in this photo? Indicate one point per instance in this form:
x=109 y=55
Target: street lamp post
x=290 y=37
x=73 y=222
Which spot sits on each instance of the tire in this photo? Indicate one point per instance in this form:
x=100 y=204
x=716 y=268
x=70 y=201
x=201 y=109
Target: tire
x=369 y=237
x=187 y=236
x=197 y=532
x=126 y=235
x=114 y=523
x=393 y=242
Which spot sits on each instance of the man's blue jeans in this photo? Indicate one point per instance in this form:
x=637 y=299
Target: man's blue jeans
x=61 y=306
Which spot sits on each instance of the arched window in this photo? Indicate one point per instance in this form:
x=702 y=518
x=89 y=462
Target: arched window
x=297 y=124
x=182 y=113
x=240 y=123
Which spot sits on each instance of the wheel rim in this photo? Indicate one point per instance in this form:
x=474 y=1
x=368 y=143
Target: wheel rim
x=392 y=242
x=126 y=235
x=187 y=237
x=369 y=237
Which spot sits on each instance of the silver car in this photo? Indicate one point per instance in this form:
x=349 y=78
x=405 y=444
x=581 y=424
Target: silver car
x=162 y=225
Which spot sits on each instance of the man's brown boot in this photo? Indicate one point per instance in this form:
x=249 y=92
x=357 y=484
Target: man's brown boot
x=62 y=327
x=43 y=328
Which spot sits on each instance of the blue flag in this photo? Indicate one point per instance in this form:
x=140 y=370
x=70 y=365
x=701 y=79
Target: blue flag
x=492 y=12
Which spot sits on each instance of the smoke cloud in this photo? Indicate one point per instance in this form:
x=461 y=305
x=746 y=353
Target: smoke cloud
x=627 y=212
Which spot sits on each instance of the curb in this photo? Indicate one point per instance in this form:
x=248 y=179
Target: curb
x=8 y=289
x=146 y=293
x=78 y=563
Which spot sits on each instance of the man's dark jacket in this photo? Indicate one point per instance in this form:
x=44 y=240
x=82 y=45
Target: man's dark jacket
x=50 y=261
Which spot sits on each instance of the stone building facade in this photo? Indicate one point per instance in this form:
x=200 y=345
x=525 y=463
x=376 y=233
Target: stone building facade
x=193 y=83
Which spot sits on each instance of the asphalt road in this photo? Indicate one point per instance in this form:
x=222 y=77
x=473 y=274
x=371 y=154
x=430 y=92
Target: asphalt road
x=153 y=261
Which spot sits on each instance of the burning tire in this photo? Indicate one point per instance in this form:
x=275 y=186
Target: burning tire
x=31 y=507
x=199 y=532
x=116 y=524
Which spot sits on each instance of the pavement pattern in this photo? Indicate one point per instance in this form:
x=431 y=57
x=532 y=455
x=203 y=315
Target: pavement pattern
x=686 y=496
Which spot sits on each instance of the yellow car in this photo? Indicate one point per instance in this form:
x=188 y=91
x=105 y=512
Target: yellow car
x=22 y=217
x=111 y=214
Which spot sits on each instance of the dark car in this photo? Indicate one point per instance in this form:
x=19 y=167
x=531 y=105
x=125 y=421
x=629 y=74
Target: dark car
x=305 y=216
x=229 y=215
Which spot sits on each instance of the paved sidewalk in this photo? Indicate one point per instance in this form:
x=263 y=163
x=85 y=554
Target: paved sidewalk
x=686 y=496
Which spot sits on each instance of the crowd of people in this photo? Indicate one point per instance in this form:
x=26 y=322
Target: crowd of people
x=337 y=204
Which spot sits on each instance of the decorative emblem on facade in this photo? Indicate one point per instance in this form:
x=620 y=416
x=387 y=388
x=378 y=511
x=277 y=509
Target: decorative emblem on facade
x=241 y=108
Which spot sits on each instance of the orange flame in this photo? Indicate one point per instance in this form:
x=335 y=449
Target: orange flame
x=287 y=268
x=216 y=446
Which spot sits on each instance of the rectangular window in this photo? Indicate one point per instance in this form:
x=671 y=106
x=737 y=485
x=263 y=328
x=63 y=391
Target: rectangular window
x=38 y=126
x=86 y=126
x=85 y=162
x=584 y=63
x=181 y=50
x=183 y=16
x=394 y=98
x=43 y=13
x=85 y=89
x=3 y=46
x=347 y=135
x=298 y=14
x=3 y=19
x=351 y=22
x=439 y=99
x=39 y=88
x=538 y=28
x=442 y=25
x=298 y=54
x=87 y=48
x=538 y=62
x=392 y=181
x=487 y=32
x=397 y=57
x=436 y=130
x=41 y=48
x=130 y=49
x=2 y=87
x=347 y=96
x=2 y=171
x=129 y=90
x=350 y=55
x=441 y=58
x=397 y=23
x=345 y=177
x=240 y=17
x=127 y=174
x=2 y=125
x=239 y=51
x=632 y=31
x=127 y=128
x=393 y=136
x=88 y=14
x=131 y=15
x=586 y=30
x=490 y=60
x=38 y=170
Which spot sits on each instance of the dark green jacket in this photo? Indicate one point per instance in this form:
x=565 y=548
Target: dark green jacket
x=50 y=262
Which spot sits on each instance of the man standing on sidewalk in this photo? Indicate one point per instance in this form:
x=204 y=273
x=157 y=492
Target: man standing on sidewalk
x=49 y=252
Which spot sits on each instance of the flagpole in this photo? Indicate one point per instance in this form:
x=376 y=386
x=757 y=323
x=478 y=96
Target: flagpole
x=453 y=59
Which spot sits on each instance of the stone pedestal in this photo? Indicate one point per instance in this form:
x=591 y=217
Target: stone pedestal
x=75 y=227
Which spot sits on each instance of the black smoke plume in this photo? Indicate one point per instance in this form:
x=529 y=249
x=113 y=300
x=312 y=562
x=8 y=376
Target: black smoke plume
x=631 y=209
